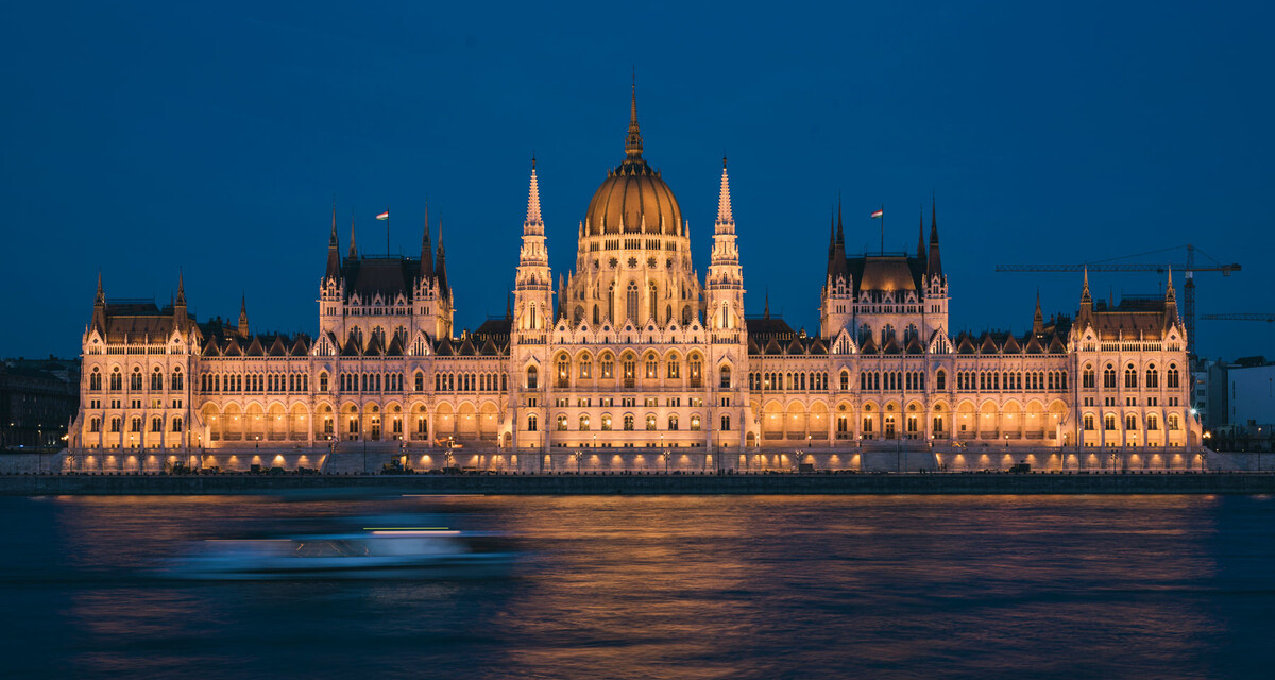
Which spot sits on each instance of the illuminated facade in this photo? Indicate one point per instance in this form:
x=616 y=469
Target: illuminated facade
x=637 y=365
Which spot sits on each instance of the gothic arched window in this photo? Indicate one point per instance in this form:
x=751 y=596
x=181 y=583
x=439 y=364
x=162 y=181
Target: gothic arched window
x=631 y=307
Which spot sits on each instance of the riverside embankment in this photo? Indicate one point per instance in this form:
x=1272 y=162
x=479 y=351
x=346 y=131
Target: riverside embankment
x=928 y=484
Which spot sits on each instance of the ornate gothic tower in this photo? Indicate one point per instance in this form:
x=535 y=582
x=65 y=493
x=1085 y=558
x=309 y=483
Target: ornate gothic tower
x=724 y=288
x=533 y=295
x=836 y=308
x=934 y=287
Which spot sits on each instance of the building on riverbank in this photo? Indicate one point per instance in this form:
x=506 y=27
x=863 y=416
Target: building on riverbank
x=38 y=400
x=633 y=360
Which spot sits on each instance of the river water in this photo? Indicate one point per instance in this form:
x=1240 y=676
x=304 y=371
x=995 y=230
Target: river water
x=662 y=587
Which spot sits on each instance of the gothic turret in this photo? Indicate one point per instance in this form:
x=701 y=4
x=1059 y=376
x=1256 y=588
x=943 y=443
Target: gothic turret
x=180 y=319
x=533 y=281
x=244 y=331
x=354 y=251
x=427 y=252
x=933 y=265
x=98 y=321
x=1085 y=315
x=333 y=271
x=1038 y=321
x=440 y=269
x=724 y=292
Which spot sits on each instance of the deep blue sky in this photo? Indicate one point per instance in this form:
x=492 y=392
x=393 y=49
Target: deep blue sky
x=148 y=137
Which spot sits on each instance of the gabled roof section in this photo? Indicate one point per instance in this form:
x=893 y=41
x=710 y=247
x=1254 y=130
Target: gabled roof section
x=277 y=348
x=892 y=346
x=351 y=348
x=965 y=344
x=914 y=346
x=869 y=346
x=795 y=347
x=255 y=349
x=467 y=348
x=232 y=349
x=444 y=348
x=988 y=345
x=818 y=348
x=1011 y=346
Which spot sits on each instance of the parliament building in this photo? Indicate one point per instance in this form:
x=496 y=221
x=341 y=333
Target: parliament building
x=634 y=363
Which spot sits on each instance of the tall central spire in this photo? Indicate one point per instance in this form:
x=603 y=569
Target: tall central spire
x=633 y=143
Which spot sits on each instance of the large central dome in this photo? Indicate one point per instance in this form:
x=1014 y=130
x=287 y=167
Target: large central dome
x=634 y=198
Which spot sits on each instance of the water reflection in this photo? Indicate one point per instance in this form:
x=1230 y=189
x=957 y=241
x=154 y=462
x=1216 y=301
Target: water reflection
x=678 y=587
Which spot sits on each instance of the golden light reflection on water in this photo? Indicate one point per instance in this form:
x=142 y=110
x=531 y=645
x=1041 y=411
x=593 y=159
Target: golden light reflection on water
x=689 y=587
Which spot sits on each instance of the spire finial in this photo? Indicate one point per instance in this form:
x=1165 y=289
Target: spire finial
x=354 y=250
x=100 y=298
x=633 y=143
x=533 y=197
x=724 y=213
x=181 y=288
x=766 y=310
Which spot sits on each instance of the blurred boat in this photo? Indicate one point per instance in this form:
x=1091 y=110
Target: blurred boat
x=372 y=553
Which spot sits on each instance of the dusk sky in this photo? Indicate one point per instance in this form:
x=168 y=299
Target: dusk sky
x=146 y=138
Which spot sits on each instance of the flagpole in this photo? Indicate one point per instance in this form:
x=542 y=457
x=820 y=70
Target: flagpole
x=883 y=228
x=387 y=231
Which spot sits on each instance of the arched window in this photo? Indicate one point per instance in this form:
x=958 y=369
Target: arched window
x=1130 y=422
x=844 y=381
x=652 y=366
x=95 y=380
x=157 y=380
x=1109 y=421
x=865 y=333
x=696 y=366
x=1172 y=377
x=533 y=423
x=157 y=424
x=177 y=383
x=910 y=333
x=95 y=425
x=562 y=423
x=672 y=421
x=135 y=425
x=1153 y=423
x=1130 y=377
x=630 y=370
x=1109 y=377
x=117 y=380
x=135 y=381
x=940 y=380
x=650 y=421
x=115 y=424
x=628 y=422
x=674 y=367
x=584 y=422
x=725 y=423
x=1088 y=377
x=631 y=306
x=1153 y=379
x=1172 y=421
x=653 y=294
x=586 y=366
x=533 y=378
x=887 y=332
x=695 y=422
x=418 y=381
x=725 y=377
x=323 y=382
x=1088 y=421
x=606 y=366
x=564 y=370
x=606 y=422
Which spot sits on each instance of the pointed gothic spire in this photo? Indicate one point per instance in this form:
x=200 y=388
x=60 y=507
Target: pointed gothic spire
x=509 y=307
x=440 y=269
x=533 y=198
x=934 y=265
x=98 y=320
x=1085 y=298
x=1038 y=320
x=765 y=313
x=633 y=143
x=243 y=316
x=837 y=266
x=354 y=250
x=920 y=235
x=333 y=269
x=832 y=230
x=427 y=250
x=1170 y=295
x=181 y=289
x=724 y=214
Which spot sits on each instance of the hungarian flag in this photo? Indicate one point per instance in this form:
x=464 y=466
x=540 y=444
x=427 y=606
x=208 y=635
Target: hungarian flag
x=876 y=214
x=384 y=216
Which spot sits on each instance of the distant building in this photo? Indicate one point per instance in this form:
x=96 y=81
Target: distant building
x=640 y=358
x=38 y=399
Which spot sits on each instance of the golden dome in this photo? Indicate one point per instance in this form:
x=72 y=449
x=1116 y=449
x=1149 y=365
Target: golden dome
x=633 y=195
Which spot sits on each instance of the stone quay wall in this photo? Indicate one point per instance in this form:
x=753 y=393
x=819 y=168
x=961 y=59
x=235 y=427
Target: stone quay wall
x=643 y=484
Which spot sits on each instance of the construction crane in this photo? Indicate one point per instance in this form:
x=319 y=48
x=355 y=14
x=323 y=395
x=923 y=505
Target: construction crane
x=1241 y=316
x=1188 y=268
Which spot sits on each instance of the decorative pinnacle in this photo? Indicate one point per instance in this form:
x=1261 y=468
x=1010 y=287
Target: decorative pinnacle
x=533 y=196
x=724 y=215
x=633 y=143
